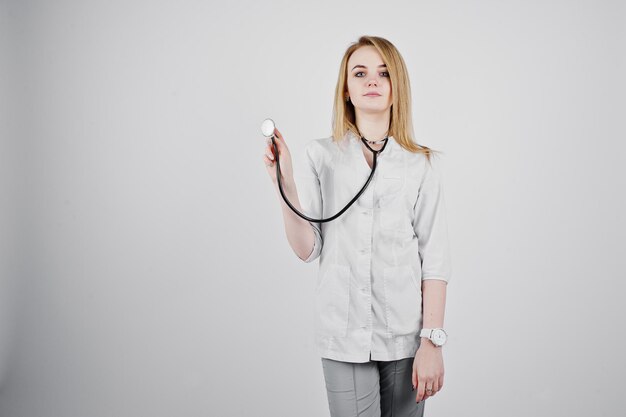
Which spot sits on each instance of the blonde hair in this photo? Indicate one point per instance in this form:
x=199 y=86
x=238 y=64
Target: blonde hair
x=400 y=125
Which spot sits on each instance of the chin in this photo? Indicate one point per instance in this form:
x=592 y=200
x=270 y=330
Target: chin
x=373 y=109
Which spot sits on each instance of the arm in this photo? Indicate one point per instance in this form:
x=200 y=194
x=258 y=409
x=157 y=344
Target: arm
x=304 y=237
x=299 y=232
x=431 y=230
x=434 y=305
x=428 y=370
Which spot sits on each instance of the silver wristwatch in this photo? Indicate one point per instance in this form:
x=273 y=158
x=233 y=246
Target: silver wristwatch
x=437 y=336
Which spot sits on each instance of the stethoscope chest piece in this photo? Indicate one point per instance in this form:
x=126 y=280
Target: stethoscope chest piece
x=267 y=128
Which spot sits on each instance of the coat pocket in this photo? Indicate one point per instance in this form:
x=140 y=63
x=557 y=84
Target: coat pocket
x=391 y=183
x=333 y=301
x=403 y=300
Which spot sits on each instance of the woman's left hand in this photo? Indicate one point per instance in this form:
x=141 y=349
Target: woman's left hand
x=427 y=370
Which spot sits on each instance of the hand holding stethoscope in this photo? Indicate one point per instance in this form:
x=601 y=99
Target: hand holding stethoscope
x=286 y=167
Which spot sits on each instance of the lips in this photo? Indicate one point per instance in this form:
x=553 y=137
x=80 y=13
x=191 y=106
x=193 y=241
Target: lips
x=372 y=95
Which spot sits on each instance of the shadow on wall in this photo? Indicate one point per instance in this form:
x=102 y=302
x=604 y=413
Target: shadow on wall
x=8 y=304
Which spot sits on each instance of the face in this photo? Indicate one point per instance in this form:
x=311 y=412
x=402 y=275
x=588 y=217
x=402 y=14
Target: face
x=369 y=85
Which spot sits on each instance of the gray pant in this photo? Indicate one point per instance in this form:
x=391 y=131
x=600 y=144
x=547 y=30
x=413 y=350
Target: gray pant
x=371 y=389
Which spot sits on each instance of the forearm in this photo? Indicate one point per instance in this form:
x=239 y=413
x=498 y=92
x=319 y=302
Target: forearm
x=299 y=232
x=433 y=303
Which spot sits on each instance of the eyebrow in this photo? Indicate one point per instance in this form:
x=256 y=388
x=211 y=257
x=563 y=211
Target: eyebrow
x=363 y=66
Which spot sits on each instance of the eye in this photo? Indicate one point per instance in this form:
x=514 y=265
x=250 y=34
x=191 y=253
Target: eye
x=384 y=74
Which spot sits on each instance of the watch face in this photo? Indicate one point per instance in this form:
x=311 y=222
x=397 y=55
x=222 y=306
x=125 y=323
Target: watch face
x=439 y=337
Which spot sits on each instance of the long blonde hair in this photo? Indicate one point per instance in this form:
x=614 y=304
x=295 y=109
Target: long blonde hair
x=400 y=125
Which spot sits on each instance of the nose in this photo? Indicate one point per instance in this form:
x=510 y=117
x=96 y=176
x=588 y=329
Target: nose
x=372 y=81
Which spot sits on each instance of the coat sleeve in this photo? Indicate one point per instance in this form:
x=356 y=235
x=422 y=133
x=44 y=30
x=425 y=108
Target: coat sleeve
x=311 y=197
x=430 y=225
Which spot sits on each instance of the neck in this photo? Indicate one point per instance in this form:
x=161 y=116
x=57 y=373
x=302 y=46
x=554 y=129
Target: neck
x=373 y=126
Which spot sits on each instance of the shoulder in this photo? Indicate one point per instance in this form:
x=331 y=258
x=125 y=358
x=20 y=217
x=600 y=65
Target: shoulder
x=424 y=167
x=416 y=160
x=319 y=145
x=320 y=150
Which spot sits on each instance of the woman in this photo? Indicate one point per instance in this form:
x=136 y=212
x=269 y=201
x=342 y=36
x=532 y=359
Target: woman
x=385 y=263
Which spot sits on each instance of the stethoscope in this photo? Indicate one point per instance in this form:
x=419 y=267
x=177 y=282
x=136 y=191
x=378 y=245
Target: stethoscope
x=268 y=127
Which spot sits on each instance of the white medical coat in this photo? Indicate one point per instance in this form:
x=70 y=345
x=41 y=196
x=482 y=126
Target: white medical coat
x=368 y=294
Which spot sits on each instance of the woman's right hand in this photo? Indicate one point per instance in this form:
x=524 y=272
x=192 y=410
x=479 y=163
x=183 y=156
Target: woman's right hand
x=285 y=158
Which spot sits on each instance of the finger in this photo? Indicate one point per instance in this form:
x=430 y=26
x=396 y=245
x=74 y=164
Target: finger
x=268 y=162
x=277 y=146
x=413 y=379
x=436 y=387
x=279 y=137
x=421 y=387
x=270 y=144
x=269 y=151
x=429 y=390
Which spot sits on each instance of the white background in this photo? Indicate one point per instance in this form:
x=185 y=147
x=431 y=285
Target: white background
x=144 y=265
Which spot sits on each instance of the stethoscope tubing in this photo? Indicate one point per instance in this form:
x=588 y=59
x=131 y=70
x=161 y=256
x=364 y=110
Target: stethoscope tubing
x=304 y=216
